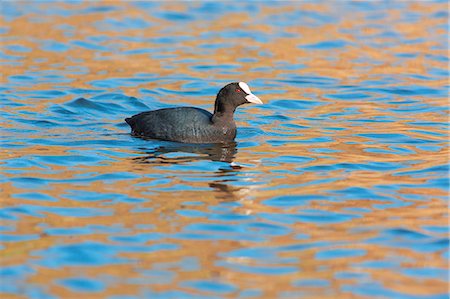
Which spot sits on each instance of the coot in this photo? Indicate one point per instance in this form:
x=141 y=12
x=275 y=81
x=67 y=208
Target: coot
x=195 y=125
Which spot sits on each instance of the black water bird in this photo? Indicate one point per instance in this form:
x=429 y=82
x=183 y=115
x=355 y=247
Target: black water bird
x=195 y=125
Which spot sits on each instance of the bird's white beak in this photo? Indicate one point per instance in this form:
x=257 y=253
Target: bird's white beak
x=251 y=98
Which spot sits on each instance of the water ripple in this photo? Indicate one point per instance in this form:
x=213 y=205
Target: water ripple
x=337 y=186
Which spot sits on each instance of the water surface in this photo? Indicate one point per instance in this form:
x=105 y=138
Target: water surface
x=336 y=187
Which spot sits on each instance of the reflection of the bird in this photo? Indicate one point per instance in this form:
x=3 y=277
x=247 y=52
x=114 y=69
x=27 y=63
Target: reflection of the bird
x=178 y=153
x=223 y=185
x=187 y=152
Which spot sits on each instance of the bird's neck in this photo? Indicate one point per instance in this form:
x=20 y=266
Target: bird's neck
x=223 y=117
x=223 y=112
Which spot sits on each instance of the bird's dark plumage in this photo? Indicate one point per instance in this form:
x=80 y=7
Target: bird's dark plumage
x=195 y=125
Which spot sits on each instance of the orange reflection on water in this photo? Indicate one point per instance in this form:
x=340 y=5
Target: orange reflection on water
x=173 y=199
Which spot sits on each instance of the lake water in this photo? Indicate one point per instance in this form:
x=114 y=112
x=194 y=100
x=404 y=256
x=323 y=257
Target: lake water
x=336 y=187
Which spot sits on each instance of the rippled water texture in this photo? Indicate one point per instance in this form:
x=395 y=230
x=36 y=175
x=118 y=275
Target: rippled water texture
x=336 y=187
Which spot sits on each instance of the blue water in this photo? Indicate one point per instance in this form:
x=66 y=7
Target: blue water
x=336 y=187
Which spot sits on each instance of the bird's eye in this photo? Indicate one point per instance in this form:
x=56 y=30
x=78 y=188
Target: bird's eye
x=238 y=90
